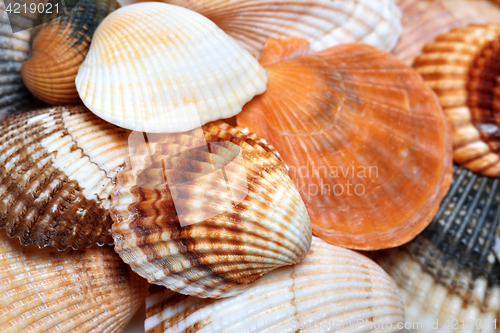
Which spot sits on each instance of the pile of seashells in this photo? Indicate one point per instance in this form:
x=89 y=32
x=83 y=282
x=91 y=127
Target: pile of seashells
x=251 y=166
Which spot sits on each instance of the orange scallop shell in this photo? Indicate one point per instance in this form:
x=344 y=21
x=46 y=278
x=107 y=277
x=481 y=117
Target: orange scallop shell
x=366 y=141
x=461 y=66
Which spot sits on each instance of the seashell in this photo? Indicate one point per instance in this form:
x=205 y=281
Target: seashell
x=195 y=72
x=323 y=23
x=72 y=291
x=423 y=20
x=207 y=212
x=58 y=167
x=14 y=49
x=460 y=66
x=346 y=126
x=59 y=48
x=449 y=275
x=348 y=291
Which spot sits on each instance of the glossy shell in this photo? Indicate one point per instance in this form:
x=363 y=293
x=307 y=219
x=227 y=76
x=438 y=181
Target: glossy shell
x=423 y=20
x=461 y=67
x=324 y=23
x=59 y=48
x=57 y=171
x=332 y=288
x=366 y=141
x=207 y=212
x=188 y=70
x=44 y=290
x=449 y=272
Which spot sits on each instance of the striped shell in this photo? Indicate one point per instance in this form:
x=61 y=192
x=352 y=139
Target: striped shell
x=160 y=68
x=59 y=48
x=207 y=212
x=423 y=20
x=324 y=23
x=461 y=67
x=57 y=171
x=73 y=291
x=366 y=141
x=332 y=288
x=449 y=272
x=14 y=49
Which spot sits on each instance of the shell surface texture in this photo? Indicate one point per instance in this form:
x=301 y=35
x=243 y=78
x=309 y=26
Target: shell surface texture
x=323 y=23
x=461 y=66
x=333 y=288
x=423 y=20
x=206 y=212
x=366 y=141
x=43 y=290
x=58 y=49
x=58 y=167
x=189 y=72
x=449 y=273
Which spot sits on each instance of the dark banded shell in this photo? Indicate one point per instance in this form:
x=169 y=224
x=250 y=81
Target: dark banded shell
x=207 y=212
x=57 y=171
x=449 y=272
x=59 y=48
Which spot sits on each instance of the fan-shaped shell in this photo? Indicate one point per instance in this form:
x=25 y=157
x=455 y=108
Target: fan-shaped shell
x=169 y=70
x=57 y=171
x=461 y=67
x=423 y=20
x=332 y=288
x=207 y=220
x=59 y=48
x=14 y=49
x=44 y=290
x=323 y=23
x=449 y=273
x=365 y=140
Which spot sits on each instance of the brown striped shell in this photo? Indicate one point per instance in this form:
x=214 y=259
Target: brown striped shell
x=207 y=212
x=57 y=171
x=461 y=66
x=46 y=291
x=58 y=49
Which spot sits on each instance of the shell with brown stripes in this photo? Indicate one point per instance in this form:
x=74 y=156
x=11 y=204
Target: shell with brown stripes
x=57 y=171
x=207 y=220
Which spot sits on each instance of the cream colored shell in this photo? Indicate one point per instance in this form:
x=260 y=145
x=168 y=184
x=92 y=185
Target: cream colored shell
x=160 y=68
x=332 y=288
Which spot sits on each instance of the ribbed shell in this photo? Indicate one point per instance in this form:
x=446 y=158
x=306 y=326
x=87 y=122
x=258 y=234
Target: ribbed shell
x=161 y=68
x=461 y=67
x=366 y=141
x=324 y=23
x=207 y=224
x=59 y=48
x=57 y=171
x=73 y=291
x=423 y=20
x=449 y=272
x=331 y=287
x=14 y=49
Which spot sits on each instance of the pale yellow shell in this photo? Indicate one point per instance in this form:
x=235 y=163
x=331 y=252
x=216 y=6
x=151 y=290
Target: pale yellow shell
x=207 y=221
x=160 y=68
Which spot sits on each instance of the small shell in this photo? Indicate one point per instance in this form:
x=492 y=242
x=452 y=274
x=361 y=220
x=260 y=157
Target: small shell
x=59 y=48
x=423 y=20
x=449 y=272
x=324 y=23
x=57 y=171
x=332 y=288
x=366 y=141
x=207 y=221
x=14 y=49
x=73 y=291
x=461 y=67
x=169 y=79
